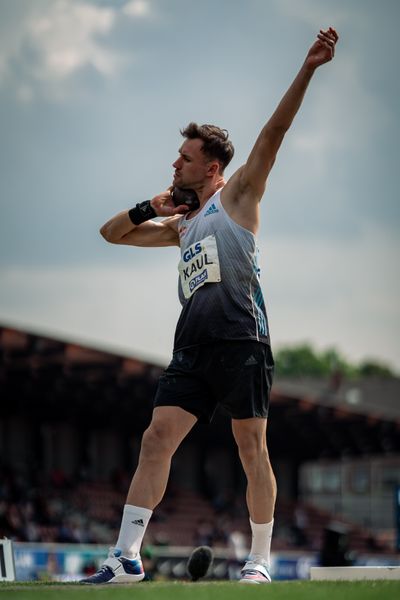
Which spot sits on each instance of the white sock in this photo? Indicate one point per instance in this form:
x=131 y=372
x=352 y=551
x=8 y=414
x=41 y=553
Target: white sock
x=133 y=526
x=261 y=540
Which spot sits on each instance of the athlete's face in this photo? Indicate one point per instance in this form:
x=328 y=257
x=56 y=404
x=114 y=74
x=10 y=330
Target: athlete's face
x=192 y=166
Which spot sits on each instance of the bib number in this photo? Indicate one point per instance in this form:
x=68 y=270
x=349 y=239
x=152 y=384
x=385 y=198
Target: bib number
x=199 y=265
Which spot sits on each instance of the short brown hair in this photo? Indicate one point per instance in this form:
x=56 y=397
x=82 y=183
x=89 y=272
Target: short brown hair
x=216 y=144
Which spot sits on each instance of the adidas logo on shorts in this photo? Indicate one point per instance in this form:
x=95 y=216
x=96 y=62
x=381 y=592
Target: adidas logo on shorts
x=251 y=361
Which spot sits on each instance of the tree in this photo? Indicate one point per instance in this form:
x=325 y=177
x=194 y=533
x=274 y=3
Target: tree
x=303 y=361
x=370 y=368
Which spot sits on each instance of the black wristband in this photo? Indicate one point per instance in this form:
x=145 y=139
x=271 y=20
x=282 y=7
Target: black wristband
x=143 y=211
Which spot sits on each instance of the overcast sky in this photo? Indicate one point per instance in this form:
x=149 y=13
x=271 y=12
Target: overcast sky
x=92 y=97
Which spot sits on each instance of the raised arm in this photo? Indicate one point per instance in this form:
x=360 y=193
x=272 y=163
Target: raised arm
x=253 y=175
x=121 y=230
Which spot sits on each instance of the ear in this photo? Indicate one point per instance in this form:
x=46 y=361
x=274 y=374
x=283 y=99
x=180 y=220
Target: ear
x=213 y=168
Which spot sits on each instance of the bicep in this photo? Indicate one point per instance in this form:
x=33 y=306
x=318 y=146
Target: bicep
x=152 y=234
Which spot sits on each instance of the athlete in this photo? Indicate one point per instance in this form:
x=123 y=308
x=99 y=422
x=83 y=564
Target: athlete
x=222 y=351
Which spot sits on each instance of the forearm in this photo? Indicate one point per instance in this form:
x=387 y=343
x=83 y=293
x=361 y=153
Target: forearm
x=288 y=107
x=122 y=228
x=263 y=154
x=117 y=227
x=136 y=227
x=125 y=222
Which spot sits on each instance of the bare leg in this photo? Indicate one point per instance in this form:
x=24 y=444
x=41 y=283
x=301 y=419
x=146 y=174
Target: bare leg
x=167 y=429
x=250 y=436
x=169 y=426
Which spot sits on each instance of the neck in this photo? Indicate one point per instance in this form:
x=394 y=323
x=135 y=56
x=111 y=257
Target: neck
x=208 y=189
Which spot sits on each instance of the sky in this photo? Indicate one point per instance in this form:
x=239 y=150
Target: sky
x=92 y=97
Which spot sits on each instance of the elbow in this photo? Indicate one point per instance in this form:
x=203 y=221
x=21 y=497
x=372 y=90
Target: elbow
x=106 y=234
x=276 y=132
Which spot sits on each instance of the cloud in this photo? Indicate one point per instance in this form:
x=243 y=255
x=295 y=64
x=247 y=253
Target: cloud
x=51 y=41
x=66 y=39
x=136 y=8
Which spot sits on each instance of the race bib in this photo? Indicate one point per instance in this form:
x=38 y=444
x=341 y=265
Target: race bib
x=199 y=265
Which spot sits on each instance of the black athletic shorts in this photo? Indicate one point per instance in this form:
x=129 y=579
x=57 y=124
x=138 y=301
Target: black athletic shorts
x=234 y=374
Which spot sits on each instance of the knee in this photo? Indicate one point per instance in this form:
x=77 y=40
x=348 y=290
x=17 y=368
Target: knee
x=156 y=442
x=253 y=453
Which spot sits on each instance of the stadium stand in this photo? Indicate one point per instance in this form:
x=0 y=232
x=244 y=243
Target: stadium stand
x=89 y=512
x=72 y=414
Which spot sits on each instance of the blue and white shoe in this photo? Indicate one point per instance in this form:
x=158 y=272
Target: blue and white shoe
x=117 y=569
x=255 y=571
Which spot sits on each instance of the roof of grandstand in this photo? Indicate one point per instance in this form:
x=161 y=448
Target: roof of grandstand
x=309 y=418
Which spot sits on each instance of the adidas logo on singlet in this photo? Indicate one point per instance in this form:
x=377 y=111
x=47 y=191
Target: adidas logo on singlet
x=211 y=210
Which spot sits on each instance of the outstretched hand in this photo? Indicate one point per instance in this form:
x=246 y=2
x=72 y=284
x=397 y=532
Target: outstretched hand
x=165 y=207
x=323 y=50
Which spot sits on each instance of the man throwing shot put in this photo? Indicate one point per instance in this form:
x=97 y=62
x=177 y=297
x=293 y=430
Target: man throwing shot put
x=222 y=353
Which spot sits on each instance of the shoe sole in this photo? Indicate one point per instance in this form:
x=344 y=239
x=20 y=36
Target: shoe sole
x=250 y=582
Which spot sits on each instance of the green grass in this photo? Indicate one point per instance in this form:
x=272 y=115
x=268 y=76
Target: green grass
x=296 y=590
